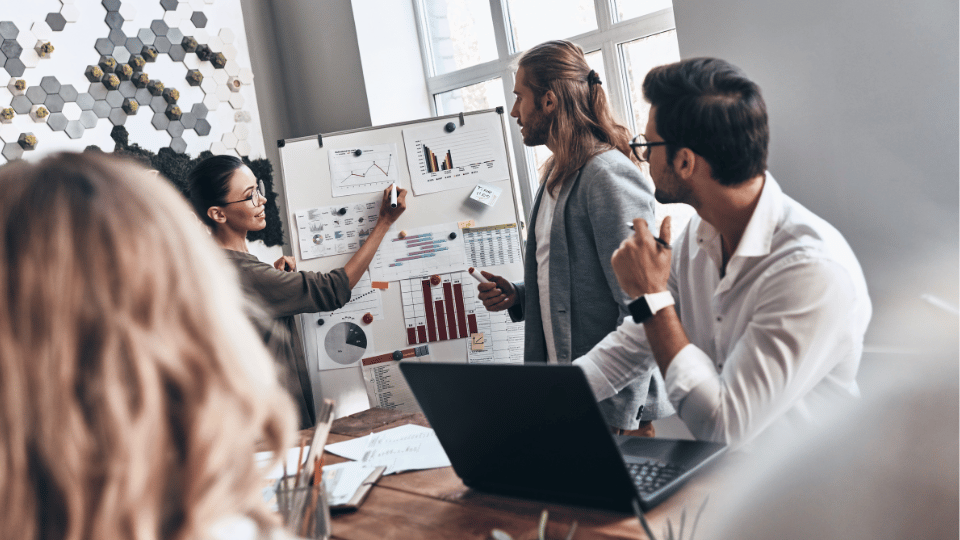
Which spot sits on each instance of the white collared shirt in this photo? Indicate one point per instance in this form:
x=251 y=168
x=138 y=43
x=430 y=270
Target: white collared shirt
x=777 y=336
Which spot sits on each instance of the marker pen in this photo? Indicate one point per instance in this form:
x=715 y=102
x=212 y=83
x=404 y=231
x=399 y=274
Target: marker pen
x=659 y=240
x=393 y=195
x=477 y=275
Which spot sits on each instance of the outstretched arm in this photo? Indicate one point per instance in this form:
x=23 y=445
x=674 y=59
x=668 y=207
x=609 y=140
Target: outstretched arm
x=358 y=264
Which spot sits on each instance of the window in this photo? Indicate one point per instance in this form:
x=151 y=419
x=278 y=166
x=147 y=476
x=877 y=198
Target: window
x=468 y=47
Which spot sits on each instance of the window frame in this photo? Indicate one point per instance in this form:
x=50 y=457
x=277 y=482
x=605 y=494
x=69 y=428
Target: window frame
x=607 y=38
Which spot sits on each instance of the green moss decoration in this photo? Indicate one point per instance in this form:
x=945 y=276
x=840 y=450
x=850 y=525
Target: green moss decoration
x=155 y=87
x=20 y=85
x=7 y=114
x=111 y=81
x=137 y=62
x=175 y=167
x=171 y=95
x=45 y=50
x=124 y=71
x=42 y=112
x=140 y=80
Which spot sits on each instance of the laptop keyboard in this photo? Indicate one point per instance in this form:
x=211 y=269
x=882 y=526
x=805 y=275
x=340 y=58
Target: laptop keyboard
x=651 y=475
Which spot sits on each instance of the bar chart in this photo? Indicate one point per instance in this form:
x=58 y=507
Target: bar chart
x=438 y=312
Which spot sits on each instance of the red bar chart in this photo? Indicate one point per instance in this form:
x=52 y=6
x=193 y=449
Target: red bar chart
x=438 y=311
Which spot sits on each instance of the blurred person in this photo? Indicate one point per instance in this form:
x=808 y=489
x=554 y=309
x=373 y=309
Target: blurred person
x=590 y=190
x=230 y=200
x=757 y=315
x=133 y=389
x=884 y=468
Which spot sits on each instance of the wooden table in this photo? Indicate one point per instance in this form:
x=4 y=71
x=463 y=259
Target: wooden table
x=435 y=504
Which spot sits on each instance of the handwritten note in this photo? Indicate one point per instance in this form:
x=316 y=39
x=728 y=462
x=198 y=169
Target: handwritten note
x=486 y=194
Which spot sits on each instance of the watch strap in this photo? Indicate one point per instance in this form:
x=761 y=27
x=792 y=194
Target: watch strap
x=649 y=304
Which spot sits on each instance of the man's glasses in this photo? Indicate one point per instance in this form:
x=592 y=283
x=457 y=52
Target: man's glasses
x=256 y=197
x=641 y=148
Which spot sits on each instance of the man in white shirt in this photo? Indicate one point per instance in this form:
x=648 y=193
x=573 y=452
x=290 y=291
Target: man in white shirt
x=771 y=304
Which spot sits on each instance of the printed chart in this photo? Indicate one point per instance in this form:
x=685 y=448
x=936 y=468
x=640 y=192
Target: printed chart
x=438 y=311
x=434 y=249
x=386 y=387
x=367 y=169
x=471 y=154
x=342 y=341
x=333 y=230
x=363 y=299
x=493 y=245
x=502 y=339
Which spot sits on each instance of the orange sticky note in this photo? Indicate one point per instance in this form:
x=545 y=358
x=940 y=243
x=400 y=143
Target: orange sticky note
x=382 y=285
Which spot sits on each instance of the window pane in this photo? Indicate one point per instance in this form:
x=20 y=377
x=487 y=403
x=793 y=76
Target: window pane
x=476 y=97
x=536 y=21
x=460 y=33
x=639 y=57
x=628 y=9
x=595 y=61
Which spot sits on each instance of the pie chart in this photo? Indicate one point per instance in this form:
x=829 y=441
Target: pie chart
x=345 y=343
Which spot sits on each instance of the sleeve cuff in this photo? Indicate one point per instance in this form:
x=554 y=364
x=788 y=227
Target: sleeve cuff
x=688 y=369
x=602 y=389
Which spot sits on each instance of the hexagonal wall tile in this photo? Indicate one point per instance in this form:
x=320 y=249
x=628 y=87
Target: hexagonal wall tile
x=210 y=102
x=74 y=129
x=41 y=30
x=71 y=13
x=218 y=148
x=243 y=148
x=55 y=21
x=8 y=30
x=72 y=111
x=128 y=11
x=172 y=19
x=237 y=101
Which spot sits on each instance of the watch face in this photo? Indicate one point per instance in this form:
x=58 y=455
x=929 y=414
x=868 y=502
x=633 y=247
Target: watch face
x=640 y=310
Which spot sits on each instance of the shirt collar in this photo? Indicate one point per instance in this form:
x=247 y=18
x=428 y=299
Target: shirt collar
x=758 y=236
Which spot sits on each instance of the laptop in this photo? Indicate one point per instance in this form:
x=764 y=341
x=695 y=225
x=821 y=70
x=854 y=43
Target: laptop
x=535 y=431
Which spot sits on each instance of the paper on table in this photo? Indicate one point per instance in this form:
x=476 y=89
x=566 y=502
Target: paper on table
x=342 y=480
x=403 y=448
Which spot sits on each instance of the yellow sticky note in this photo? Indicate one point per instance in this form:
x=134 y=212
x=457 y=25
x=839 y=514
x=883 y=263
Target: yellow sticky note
x=476 y=341
x=466 y=224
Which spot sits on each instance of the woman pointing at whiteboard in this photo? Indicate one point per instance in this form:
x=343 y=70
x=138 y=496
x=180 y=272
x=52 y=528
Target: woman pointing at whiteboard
x=230 y=200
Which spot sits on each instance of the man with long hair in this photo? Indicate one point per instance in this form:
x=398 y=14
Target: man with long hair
x=771 y=303
x=590 y=189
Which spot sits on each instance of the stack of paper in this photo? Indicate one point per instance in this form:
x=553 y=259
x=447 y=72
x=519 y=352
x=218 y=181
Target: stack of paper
x=404 y=448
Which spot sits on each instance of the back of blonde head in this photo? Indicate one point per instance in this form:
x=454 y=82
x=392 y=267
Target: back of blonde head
x=132 y=387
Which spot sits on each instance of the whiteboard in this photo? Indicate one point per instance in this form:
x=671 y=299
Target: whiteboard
x=306 y=169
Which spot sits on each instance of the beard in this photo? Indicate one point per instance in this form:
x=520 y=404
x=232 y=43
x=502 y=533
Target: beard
x=536 y=130
x=669 y=188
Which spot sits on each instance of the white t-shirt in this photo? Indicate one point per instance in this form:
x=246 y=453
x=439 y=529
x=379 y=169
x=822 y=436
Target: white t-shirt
x=544 y=222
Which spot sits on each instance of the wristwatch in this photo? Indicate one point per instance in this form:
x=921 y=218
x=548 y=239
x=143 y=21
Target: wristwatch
x=649 y=304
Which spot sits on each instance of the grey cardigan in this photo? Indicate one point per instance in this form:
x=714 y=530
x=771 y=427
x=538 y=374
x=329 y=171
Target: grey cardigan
x=591 y=219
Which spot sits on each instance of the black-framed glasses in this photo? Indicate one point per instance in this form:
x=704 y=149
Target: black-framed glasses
x=257 y=195
x=640 y=142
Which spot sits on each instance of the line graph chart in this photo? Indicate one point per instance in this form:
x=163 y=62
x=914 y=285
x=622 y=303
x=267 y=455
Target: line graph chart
x=367 y=169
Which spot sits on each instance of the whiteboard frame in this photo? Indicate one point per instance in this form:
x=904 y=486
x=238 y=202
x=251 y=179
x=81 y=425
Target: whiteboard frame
x=345 y=386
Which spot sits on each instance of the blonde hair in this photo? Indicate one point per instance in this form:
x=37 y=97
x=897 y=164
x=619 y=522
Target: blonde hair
x=583 y=124
x=133 y=388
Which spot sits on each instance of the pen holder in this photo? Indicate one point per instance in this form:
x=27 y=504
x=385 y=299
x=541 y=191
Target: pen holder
x=304 y=511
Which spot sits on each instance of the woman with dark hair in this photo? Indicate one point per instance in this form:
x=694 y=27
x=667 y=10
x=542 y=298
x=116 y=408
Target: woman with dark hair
x=230 y=200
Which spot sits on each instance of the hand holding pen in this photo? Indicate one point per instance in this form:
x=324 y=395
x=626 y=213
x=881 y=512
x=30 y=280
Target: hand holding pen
x=642 y=262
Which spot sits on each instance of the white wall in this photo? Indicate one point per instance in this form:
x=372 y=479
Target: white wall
x=392 y=65
x=863 y=103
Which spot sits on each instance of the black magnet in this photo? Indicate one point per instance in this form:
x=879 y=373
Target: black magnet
x=450 y=127
x=452 y=236
x=397 y=355
x=342 y=211
x=358 y=152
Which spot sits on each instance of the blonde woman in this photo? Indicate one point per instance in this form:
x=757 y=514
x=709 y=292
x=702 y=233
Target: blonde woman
x=133 y=388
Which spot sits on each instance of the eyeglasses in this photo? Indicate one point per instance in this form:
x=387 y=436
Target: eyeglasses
x=640 y=142
x=255 y=197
